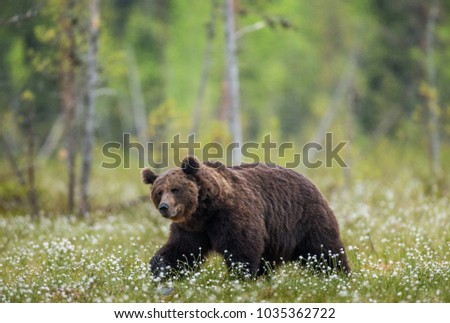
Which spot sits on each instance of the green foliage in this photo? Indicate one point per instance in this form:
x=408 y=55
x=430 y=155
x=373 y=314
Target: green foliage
x=288 y=69
x=13 y=197
x=16 y=59
x=396 y=63
x=160 y=121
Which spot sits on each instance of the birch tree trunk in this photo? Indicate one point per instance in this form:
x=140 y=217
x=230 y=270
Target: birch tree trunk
x=137 y=98
x=32 y=194
x=68 y=93
x=232 y=77
x=432 y=100
x=210 y=34
x=90 y=106
x=53 y=139
x=342 y=88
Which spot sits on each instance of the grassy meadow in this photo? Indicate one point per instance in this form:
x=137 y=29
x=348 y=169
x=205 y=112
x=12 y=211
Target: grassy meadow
x=396 y=232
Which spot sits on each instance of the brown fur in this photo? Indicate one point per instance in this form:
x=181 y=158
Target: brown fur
x=251 y=214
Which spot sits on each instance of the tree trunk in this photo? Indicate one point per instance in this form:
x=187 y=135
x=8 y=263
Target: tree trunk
x=223 y=114
x=13 y=162
x=90 y=106
x=68 y=93
x=210 y=34
x=431 y=96
x=32 y=194
x=137 y=98
x=232 y=77
x=350 y=133
x=53 y=139
x=342 y=88
x=25 y=179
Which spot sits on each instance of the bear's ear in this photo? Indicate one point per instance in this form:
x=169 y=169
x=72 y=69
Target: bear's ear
x=190 y=165
x=148 y=177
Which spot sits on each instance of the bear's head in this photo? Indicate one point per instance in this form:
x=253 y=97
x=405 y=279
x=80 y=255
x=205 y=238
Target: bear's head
x=178 y=192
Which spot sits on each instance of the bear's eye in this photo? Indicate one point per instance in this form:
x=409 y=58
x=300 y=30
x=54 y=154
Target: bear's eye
x=175 y=190
x=159 y=193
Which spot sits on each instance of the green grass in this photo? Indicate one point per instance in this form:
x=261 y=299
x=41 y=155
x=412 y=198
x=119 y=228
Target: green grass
x=398 y=243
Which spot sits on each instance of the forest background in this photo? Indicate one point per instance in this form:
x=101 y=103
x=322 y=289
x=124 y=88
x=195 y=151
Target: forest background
x=76 y=75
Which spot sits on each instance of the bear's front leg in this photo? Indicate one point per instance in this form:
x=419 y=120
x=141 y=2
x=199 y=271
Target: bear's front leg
x=241 y=246
x=183 y=250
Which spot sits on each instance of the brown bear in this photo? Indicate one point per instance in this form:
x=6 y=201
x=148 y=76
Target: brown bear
x=255 y=215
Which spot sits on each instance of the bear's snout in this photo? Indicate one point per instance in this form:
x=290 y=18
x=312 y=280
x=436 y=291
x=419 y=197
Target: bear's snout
x=163 y=209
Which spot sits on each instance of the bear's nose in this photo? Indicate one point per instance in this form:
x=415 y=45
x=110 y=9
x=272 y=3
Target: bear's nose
x=163 y=208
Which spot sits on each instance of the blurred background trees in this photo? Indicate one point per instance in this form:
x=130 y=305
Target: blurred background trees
x=374 y=72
